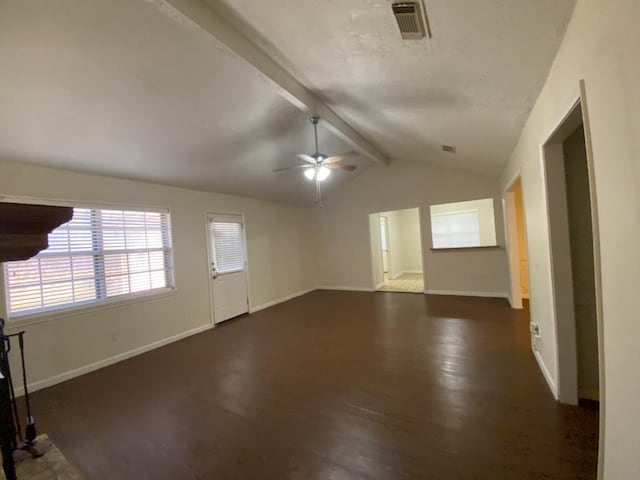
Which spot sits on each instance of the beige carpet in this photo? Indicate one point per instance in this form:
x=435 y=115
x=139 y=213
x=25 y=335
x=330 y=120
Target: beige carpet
x=407 y=282
x=51 y=466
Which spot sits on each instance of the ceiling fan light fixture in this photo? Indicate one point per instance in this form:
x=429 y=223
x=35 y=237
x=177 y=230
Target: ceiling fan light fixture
x=310 y=173
x=323 y=173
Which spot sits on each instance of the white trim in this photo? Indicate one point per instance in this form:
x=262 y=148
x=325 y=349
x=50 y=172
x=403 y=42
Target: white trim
x=468 y=294
x=546 y=374
x=281 y=300
x=347 y=289
x=597 y=263
x=69 y=374
x=380 y=285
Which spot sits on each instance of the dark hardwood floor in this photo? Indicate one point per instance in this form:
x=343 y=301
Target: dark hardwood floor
x=332 y=385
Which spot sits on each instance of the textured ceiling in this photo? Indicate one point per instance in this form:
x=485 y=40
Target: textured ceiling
x=471 y=85
x=125 y=88
x=121 y=88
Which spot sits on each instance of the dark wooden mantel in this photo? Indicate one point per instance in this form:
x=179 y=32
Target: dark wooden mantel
x=24 y=228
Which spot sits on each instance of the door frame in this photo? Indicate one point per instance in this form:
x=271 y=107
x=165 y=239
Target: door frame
x=551 y=153
x=208 y=238
x=511 y=236
x=386 y=234
x=422 y=224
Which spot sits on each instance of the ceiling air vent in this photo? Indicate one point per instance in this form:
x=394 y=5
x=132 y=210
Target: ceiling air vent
x=449 y=148
x=409 y=20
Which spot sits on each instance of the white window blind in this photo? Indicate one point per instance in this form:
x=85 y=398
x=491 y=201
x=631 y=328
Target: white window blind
x=98 y=255
x=456 y=229
x=228 y=246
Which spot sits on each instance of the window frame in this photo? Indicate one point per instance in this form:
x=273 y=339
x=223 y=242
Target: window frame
x=81 y=308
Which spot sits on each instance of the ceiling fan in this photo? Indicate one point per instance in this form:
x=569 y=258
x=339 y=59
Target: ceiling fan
x=319 y=165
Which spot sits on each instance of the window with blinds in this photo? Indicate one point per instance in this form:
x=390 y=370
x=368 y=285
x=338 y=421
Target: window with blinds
x=99 y=255
x=228 y=246
x=466 y=224
x=456 y=229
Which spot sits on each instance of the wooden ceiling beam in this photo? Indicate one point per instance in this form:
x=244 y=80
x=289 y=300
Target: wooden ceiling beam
x=198 y=13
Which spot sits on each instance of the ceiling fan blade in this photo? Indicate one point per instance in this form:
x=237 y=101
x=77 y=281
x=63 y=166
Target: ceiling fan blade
x=346 y=168
x=292 y=168
x=340 y=157
x=307 y=158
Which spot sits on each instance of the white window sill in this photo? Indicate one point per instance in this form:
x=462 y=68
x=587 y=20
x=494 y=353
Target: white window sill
x=452 y=249
x=16 y=323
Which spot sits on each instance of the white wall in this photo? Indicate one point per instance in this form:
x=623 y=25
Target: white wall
x=280 y=244
x=411 y=240
x=601 y=46
x=344 y=229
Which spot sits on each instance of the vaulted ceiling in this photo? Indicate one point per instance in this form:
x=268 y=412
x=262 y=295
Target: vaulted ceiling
x=137 y=89
x=471 y=85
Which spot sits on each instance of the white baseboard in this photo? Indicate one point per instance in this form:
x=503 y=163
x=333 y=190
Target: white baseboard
x=347 y=289
x=280 y=300
x=380 y=285
x=468 y=294
x=546 y=374
x=69 y=374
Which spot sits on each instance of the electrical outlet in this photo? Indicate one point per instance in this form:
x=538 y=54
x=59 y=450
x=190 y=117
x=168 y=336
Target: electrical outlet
x=536 y=337
x=535 y=329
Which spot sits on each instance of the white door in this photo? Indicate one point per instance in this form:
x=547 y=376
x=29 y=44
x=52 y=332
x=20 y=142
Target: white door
x=228 y=267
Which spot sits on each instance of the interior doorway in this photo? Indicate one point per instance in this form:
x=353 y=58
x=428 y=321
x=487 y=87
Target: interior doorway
x=517 y=244
x=573 y=242
x=397 y=251
x=582 y=263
